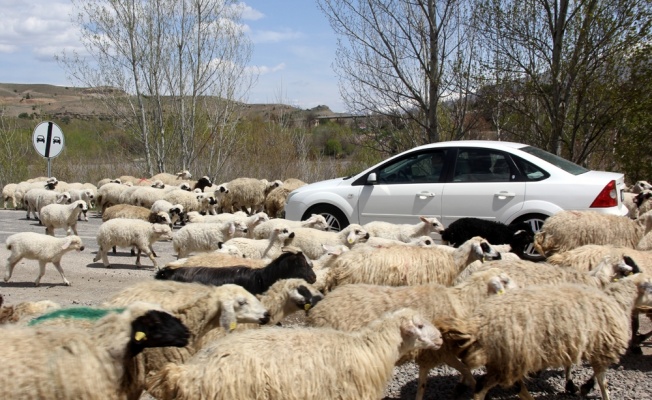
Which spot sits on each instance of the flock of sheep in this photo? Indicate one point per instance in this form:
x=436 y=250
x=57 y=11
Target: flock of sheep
x=374 y=296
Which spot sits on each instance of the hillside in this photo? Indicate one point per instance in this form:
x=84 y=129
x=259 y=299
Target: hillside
x=60 y=101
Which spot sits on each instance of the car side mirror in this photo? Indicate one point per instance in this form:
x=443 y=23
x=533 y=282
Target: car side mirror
x=372 y=179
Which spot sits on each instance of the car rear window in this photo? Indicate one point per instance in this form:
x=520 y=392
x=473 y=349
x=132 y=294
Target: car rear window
x=557 y=161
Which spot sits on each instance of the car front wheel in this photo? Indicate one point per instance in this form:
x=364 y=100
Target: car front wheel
x=535 y=221
x=335 y=218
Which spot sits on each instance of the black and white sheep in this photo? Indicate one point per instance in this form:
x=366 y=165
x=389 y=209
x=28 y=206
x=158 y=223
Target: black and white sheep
x=255 y=280
x=44 y=248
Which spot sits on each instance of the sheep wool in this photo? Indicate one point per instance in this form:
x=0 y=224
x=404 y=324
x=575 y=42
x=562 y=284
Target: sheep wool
x=567 y=230
x=204 y=237
x=264 y=230
x=250 y=365
x=310 y=241
x=404 y=232
x=533 y=328
x=62 y=216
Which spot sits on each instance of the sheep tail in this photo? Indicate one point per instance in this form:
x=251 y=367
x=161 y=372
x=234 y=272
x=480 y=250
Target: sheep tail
x=539 y=238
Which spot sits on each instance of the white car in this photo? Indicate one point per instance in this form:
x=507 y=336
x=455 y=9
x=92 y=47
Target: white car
x=498 y=181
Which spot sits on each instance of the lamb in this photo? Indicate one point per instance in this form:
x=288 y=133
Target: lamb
x=200 y=307
x=254 y=366
x=269 y=248
x=39 y=358
x=404 y=232
x=567 y=230
x=62 y=216
x=204 y=237
x=264 y=229
x=35 y=199
x=518 y=236
x=88 y=195
x=175 y=211
x=405 y=265
x=44 y=248
x=433 y=301
x=247 y=194
x=310 y=240
x=275 y=199
x=9 y=193
x=206 y=202
x=531 y=329
x=24 y=311
x=256 y=280
x=125 y=232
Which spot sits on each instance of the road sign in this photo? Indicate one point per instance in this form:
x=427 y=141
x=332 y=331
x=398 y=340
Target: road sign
x=48 y=139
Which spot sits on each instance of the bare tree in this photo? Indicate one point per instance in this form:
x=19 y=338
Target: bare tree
x=14 y=148
x=562 y=63
x=178 y=67
x=397 y=58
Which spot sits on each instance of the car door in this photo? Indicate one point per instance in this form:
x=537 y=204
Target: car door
x=405 y=189
x=484 y=184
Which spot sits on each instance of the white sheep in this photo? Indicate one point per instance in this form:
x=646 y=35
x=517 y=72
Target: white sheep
x=35 y=199
x=39 y=358
x=123 y=232
x=567 y=230
x=201 y=308
x=250 y=363
x=187 y=199
x=352 y=307
x=62 y=216
x=44 y=248
x=423 y=241
x=264 y=248
x=528 y=330
x=315 y=221
x=404 y=232
x=88 y=195
x=252 y=221
x=406 y=265
x=217 y=259
x=247 y=194
x=109 y=194
x=586 y=258
x=204 y=237
x=310 y=240
x=9 y=193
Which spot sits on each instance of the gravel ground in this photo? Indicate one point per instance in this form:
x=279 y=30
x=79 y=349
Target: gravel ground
x=631 y=379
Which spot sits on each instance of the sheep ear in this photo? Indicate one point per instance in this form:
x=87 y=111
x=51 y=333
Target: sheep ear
x=424 y=219
x=227 y=318
x=231 y=228
x=67 y=243
x=350 y=238
x=408 y=329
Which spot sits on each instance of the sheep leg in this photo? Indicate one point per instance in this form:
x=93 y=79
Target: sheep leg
x=152 y=250
x=467 y=381
x=523 y=393
x=602 y=382
x=57 y=265
x=49 y=230
x=41 y=272
x=11 y=264
x=74 y=229
x=634 y=343
x=570 y=386
x=133 y=251
x=483 y=385
x=114 y=250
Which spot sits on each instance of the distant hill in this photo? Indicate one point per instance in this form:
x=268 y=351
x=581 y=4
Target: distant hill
x=61 y=101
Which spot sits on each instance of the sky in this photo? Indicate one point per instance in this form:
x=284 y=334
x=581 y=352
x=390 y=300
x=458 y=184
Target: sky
x=294 y=48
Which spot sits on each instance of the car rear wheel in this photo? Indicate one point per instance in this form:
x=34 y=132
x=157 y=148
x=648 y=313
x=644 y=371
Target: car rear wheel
x=335 y=218
x=536 y=222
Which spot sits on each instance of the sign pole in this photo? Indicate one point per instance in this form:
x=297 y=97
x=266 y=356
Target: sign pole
x=49 y=167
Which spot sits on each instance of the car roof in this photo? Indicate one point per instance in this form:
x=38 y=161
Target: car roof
x=496 y=144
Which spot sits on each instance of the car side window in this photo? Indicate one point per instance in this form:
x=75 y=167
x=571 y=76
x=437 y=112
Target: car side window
x=481 y=165
x=420 y=168
x=530 y=171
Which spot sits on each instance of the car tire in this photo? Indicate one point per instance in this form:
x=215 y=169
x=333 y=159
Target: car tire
x=536 y=222
x=335 y=218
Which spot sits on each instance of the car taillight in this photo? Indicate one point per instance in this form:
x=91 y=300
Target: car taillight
x=607 y=197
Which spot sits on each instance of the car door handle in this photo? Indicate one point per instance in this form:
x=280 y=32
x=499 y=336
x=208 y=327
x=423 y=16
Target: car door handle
x=504 y=195
x=425 y=194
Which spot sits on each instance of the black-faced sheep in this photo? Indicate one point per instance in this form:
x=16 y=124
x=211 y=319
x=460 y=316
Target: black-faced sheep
x=44 y=248
x=255 y=280
x=250 y=363
x=40 y=360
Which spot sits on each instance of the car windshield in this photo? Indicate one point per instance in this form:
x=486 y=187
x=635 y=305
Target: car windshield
x=557 y=161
